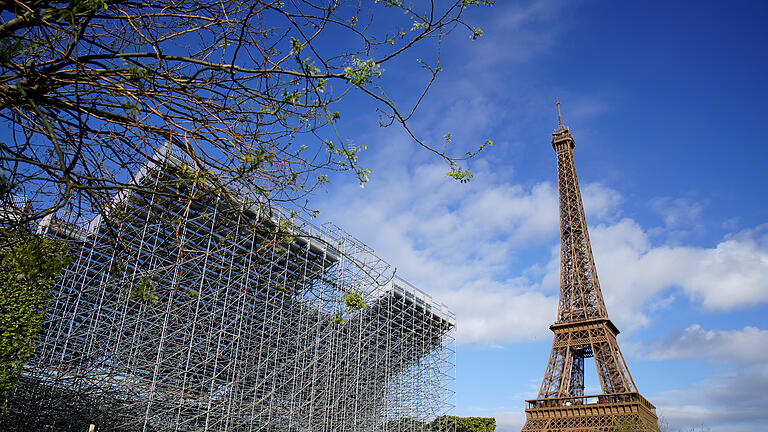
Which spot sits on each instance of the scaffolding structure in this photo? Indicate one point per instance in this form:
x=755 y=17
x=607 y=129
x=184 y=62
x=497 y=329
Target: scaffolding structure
x=216 y=313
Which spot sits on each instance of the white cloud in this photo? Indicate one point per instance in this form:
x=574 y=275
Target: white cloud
x=600 y=201
x=509 y=421
x=678 y=212
x=731 y=275
x=517 y=32
x=500 y=316
x=488 y=249
x=460 y=243
x=734 y=274
x=732 y=401
x=722 y=346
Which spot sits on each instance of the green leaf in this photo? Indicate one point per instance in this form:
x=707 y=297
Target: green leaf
x=354 y=301
x=361 y=72
x=458 y=173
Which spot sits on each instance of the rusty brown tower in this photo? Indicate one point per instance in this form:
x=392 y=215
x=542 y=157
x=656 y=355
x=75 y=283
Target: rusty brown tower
x=582 y=330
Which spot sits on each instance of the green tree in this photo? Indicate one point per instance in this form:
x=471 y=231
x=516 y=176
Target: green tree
x=28 y=267
x=249 y=90
x=463 y=424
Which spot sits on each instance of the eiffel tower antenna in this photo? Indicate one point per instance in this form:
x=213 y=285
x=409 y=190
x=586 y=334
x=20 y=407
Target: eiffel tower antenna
x=582 y=330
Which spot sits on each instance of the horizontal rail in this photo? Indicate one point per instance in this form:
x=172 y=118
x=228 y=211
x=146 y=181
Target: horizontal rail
x=614 y=398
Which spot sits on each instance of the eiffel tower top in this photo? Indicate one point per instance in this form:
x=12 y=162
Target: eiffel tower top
x=561 y=137
x=580 y=295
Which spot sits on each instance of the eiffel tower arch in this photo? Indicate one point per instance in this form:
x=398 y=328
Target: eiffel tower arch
x=583 y=330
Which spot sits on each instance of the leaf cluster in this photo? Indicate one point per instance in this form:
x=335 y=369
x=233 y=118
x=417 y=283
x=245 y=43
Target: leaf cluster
x=354 y=301
x=145 y=290
x=464 y=424
x=252 y=91
x=29 y=265
x=443 y=424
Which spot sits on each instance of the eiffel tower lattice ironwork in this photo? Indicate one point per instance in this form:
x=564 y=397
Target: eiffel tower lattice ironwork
x=583 y=330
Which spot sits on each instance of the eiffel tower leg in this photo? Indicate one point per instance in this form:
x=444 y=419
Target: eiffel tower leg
x=565 y=371
x=550 y=386
x=611 y=368
x=565 y=378
x=577 y=373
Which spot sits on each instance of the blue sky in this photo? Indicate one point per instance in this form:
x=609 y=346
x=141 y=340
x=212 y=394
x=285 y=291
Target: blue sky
x=667 y=104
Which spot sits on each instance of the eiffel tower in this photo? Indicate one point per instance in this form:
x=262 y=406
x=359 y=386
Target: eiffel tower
x=583 y=330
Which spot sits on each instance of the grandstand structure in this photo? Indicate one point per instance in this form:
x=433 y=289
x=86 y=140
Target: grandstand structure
x=198 y=308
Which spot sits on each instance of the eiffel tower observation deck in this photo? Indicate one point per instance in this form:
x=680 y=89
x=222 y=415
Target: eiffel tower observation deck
x=583 y=330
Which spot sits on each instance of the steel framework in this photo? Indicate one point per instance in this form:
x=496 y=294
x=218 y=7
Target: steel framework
x=213 y=313
x=583 y=330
